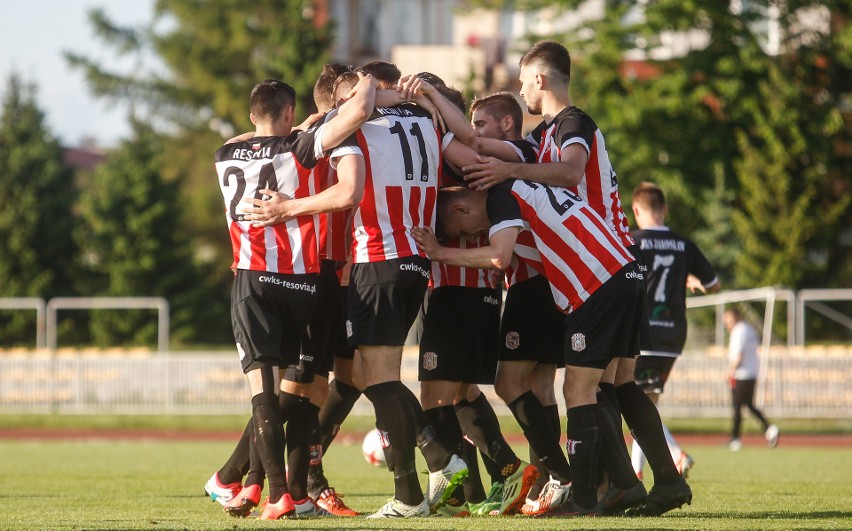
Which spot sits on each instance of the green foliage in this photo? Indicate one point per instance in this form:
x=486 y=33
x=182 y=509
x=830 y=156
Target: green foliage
x=36 y=197
x=196 y=65
x=132 y=242
x=758 y=145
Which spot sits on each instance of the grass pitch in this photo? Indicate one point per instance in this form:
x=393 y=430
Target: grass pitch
x=158 y=485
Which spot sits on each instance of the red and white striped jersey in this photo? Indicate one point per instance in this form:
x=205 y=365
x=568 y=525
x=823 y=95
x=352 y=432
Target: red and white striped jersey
x=578 y=251
x=467 y=277
x=335 y=236
x=283 y=164
x=526 y=260
x=402 y=153
x=599 y=186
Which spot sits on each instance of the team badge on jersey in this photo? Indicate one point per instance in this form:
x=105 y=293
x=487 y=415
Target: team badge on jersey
x=578 y=342
x=430 y=361
x=513 y=340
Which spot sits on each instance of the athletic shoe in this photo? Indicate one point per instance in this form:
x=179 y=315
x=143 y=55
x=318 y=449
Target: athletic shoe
x=617 y=500
x=307 y=507
x=444 y=482
x=492 y=502
x=331 y=502
x=284 y=508
x=664 y=498
x=735 y=444
x=453 y=511
x=572 y=510
x=772 y=435
x=516 y=487
x=243 y=503
x=396 y=509
x=553 y=496
x=220 y=492
x=684 y=464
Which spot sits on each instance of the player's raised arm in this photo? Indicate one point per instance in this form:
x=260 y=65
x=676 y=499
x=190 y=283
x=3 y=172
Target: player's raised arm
x=352 y=113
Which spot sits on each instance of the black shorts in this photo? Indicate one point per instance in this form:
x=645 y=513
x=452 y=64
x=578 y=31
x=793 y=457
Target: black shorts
x=460 y=335
x=384 y=300
x=607 y=325
x=533 y=327
x=326 y=327
x=646 y=338
x=270 y=314
x=652 y=372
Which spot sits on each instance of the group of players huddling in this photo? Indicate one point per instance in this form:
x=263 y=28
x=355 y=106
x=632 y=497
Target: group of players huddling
x=393 y=179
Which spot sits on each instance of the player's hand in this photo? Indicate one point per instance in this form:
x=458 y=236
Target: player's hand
x=365 y=81
x=692 y=283
x=408 y=87
x=489 y=172
x=426 y=241
x=266 y=212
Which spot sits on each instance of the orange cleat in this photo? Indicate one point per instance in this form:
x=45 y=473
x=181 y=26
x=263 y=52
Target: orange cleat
x=244 y=502
x=331 y=501
x=283 y=508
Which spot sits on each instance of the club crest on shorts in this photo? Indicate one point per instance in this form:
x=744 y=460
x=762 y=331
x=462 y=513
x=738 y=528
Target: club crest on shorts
x=578 y=342
x=513 y=340
x=430 y=361
x=348 y=328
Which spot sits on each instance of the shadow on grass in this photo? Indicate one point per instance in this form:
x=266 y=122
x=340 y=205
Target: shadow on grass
x=815 y=515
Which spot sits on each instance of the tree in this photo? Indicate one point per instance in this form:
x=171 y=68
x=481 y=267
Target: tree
x=132 y=239
x=705 y=116
x=195 y=65
x=36 y=196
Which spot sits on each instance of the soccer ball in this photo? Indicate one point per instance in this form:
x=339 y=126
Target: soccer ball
x=372 y=448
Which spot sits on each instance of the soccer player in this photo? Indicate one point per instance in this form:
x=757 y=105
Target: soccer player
x=276 y=268
x=591 y=275
x=458 y=350
x=531 y=328
x=328 y=314
x=671 y=260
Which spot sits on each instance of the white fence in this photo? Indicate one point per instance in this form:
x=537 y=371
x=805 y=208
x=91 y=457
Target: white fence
x=798 y=382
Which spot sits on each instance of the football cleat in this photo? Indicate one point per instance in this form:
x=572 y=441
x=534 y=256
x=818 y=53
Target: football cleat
x=396 y=509
x=283 y=508
x=516 y=487
x=735 y=444
x=491 y=503
x=617 y=500
x=243 y=503
x=307 y=507
x=664 y=498
x=453 y=511
x=220 y=492
x=553 y=496
x=331 y=502
x=684 y=464
x=444 y=482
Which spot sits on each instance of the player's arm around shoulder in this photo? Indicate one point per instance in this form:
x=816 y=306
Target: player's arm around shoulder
x=352 y=114
x=497 y=255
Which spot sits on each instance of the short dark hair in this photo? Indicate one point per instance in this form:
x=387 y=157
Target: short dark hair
x=343 y=84
x=324 y=87
x=500 y=104
x=550 y=54
x=446 y=196
x=432 y=79
x=383 y=71
x=269 y=98
x=649 y=195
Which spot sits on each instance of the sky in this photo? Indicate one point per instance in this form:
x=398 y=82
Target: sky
x=33 y=36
